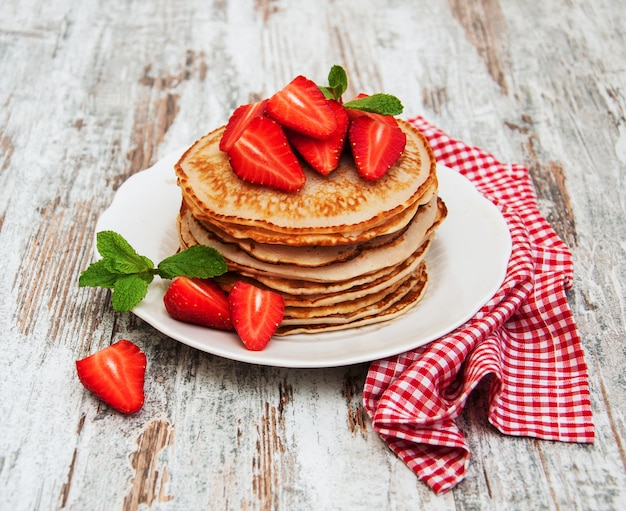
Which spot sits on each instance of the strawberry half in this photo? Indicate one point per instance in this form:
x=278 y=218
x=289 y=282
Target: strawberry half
x=376 y=146
x=255 y=313
x=262 y=155
x=198 y=301
x=323 y=154
x=302 y=107
x=116 y=375
x=238 y=121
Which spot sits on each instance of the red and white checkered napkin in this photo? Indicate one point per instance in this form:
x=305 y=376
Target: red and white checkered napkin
x=525 y=336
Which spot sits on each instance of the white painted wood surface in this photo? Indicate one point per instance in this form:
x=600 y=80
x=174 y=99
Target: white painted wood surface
x=92 y=92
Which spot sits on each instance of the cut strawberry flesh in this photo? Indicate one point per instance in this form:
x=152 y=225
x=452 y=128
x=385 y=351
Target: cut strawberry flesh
x=256 y=313
x=262 y=155
x=116 y=375
x=323 y=155
x=238 y=122
x=302 y=107
x=198 y=301
x=376 y=146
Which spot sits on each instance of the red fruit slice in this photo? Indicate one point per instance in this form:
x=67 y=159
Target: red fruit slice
x=262 y=155
x=302 y=107
x=376 y=146
x=323 y=154
x=116 y=375
x=354 y=113
x=198 y=301
x=256 y=313
x=238 y=121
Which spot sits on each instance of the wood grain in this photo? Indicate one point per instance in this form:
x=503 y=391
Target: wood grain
x=93 y=92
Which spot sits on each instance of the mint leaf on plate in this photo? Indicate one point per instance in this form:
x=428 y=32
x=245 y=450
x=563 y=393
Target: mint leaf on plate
x=120 y=257
x=128 y=292
x=129 y=274
x=198 y=261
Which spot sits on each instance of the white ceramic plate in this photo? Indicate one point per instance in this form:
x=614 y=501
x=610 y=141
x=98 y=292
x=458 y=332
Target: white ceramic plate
x=466 y=264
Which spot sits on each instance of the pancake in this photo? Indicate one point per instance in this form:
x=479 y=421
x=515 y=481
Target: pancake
x=342 y=252
x=366 y=262
x=390 y=308
x=339 y=206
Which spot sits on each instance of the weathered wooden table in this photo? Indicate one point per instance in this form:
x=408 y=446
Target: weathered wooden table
x=93 y=92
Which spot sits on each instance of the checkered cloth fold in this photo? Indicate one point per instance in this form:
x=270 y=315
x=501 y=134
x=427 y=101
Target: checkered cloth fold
x=524 y=339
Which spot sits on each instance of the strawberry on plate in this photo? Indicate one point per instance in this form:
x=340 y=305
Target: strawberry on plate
x=256 y=313
x=238 y=122
x=302 y=107
x=116 y=375
x=262 y=155
x=376 y=146
x=323 y=154
x=198 y=301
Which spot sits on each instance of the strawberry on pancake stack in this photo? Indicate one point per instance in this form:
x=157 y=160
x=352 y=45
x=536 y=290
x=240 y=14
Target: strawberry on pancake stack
x=332 y=205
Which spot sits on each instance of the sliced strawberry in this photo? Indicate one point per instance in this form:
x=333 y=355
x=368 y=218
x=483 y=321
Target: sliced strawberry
x=262 y=155
x=376 y=146
x=238 y=121
x=256 y=313
x=198 y=301
x=323 y=154
x=302 y=107
x=116 y=375
x=353 y=113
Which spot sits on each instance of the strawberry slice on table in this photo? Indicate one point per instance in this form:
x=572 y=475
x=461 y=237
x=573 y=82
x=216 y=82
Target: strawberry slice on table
x=116 y=375
x=262 y=155
x=238 y=121
x=302 y=107
x=256 y=313
x=323 y=154
x=376 y=146
x=198 y=301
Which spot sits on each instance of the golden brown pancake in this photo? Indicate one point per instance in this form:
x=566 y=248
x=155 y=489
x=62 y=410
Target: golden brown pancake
x=392 y=306
x=366 y=262
x=335 y=209
x=343 y=252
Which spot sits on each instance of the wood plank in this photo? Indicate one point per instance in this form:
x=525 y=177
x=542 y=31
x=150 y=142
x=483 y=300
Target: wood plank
x=92 y=93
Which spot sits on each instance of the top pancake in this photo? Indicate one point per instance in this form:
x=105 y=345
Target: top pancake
x=339 y=203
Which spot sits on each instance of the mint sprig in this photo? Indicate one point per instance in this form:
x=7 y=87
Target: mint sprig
x=128 y=274
x=383 y=104
x=337 y=83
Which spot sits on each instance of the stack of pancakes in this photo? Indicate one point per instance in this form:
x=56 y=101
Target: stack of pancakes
x=343 y=252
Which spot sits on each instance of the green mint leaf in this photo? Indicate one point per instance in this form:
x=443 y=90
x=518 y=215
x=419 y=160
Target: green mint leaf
x=129 y=274
x=337 y=83
x=198 y=261
x=98 y=275
x=384 y=104
x=129 y=290
x=327 y=91
x=119 y=256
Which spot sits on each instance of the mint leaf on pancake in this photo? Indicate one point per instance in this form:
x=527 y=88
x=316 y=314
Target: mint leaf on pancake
x=384 y=104
x=337 y=83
